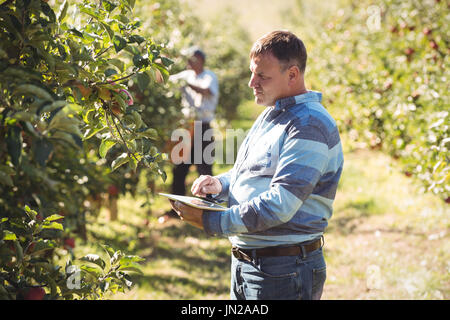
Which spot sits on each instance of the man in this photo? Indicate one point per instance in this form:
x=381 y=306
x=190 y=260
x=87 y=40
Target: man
x=281 y=189
x=200 y=96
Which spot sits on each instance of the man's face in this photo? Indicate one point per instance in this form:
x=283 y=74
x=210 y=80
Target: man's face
x=195 y=63
x=268 y=81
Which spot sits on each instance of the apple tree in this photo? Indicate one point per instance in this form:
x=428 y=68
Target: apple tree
x=67 y=120
x=383 y=68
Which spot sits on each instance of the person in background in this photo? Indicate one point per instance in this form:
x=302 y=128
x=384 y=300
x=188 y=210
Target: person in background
x=281 y=189
x=200 y=95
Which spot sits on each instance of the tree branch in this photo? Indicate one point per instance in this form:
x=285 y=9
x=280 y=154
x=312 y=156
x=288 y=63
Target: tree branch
x=120 y=79
x=130 y=154
x=102 y=52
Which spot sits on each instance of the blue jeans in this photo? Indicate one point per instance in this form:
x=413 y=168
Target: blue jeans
x=279 y=278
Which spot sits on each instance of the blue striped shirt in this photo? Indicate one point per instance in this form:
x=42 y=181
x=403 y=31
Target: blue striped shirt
x=281 y=188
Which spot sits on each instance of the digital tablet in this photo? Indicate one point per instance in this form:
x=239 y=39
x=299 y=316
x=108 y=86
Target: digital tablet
x=195 y=202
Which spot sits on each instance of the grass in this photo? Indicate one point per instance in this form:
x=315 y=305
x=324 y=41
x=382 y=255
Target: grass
x=180 y=261
x=382 y=222
x=385 y=239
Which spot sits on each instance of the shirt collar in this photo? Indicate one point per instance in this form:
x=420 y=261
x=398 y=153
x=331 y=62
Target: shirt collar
x=310 y=96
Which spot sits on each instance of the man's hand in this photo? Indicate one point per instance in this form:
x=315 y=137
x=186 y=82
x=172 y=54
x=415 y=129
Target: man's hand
x=189 y=214
x=204 y=185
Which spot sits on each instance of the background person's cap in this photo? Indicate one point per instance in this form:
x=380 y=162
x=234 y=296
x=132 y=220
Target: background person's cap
x=192 y=51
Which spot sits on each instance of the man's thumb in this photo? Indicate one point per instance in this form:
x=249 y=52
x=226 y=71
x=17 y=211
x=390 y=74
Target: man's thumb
x=206 y=189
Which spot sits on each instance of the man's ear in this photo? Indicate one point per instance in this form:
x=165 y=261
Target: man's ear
x=294 y=73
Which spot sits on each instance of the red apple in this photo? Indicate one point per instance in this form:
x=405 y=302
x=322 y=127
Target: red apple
x=409 y=51
x=434 y=45
x=113 y=190
x=69 y=243
x=35 y=294
x=426 y=31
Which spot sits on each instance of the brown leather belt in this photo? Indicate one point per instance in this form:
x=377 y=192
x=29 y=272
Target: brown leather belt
x=294 y=250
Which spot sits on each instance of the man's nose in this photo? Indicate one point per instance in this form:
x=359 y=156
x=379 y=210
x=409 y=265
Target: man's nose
x=252 y=82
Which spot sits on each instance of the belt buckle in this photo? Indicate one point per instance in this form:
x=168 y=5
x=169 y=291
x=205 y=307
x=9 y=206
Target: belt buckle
x=238 y=254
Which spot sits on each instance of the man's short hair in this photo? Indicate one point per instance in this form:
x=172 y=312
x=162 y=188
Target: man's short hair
x=285 y=46
x=200 y=53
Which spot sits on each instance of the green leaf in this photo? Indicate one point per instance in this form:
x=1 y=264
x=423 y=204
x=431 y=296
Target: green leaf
x=21 y=72
x=95 y=259
x=12 y=25
x=166 y=61
x=19 y=250
x=131 y=3
x=8 y=235
x=64 y=120
x=119 y=98
x=149 y=133
x=126 y=280
x=67 y=137
x=67 y=124
x=92 y=271
x=54 y=217
x=133 y=50
x=43 y=245
x=108 y=30
x=162 y=174
x=30 y=89
x=90 y=12
x=120 y=160
x=143 y=80
x=53 y=106
x=139 y=61
x=7 y=169
x=24 y=116
x=133 y=164
x=52 y=284
x=76 y=32
x=109 y=250
x=130 y=258
x=47 y=10
x=132 y=268
x=109 y=6
x=163 y=71
x=6 y=179
x=91 y=132
x=119 y=43
x=63 y=11
x=30 y=213
x=109 y=72
x=137 y=38
x=116 y=257
x=42 y=148
x=14 y=144
x=53 y=225
x=117 y=63
x=105 y=146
